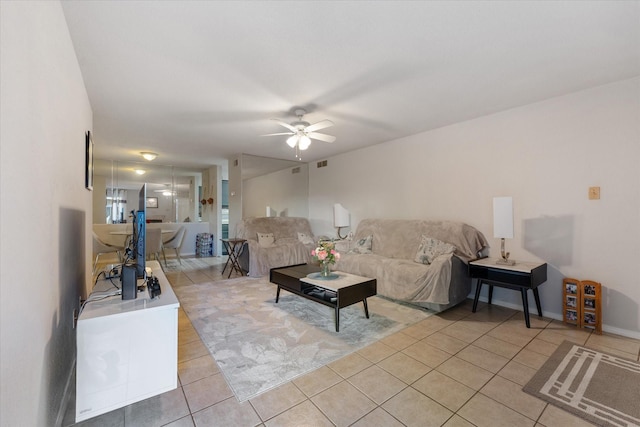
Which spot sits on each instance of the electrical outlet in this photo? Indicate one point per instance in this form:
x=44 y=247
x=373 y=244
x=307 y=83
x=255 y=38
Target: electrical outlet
x=594 y=193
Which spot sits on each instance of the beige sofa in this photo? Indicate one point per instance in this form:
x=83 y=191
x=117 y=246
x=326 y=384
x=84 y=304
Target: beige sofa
x=394 y=246
x=286 y=249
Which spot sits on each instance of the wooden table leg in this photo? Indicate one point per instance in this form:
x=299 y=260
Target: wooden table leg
x=537 y=298
x=475 y=300
x=226 y=246
x=366 y=309
x=278 y=294
x=525 y=306
x=490 y=293
x=337 y=319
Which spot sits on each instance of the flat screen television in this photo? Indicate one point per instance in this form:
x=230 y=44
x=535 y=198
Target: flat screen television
x=140 y=232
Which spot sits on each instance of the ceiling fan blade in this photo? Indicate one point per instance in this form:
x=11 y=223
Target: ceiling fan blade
x=317 y=126
x=287 y=125
x=282 y=133
x=321 y=137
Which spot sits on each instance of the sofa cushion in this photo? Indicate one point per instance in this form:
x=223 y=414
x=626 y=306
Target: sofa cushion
x=281 y=227
x=399 y=238
x=431 y=248
x=306 y=239
x=266 y=240
x=362 y=246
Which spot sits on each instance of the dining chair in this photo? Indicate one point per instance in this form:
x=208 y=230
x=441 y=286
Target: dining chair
x=103 y=248
x=174 y=243
x=153 y=243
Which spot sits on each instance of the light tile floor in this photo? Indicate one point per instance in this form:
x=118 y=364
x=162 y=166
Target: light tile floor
x=456 y=368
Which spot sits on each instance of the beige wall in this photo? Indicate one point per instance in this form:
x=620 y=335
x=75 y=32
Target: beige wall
x=235 y=193
x=545 y=155
x=46 y=213
x=285 y=192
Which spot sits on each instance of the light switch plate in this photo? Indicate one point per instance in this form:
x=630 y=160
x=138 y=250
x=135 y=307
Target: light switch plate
x=594 y=193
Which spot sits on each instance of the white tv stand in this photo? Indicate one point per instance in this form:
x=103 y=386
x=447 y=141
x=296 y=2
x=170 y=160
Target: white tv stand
x=127 y=351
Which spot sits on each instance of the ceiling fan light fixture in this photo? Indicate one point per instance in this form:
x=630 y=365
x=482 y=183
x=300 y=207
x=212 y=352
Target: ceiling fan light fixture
x=149 y=155
x=140 y=171
x=292 y=141
x=304 y=142
x=302 y=132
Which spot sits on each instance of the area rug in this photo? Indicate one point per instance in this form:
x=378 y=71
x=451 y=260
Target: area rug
x=259 y=344
x=188 y=264
x=599 y=387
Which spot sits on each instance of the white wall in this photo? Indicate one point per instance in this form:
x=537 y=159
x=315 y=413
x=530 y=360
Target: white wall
x=285 y=192
x=235 y=193
x=46 y=213
x=212 y=213
x=545 y=155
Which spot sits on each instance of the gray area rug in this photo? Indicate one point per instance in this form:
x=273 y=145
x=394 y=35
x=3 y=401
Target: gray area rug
x=187 y=264
x=259 y=344
x=599 y=387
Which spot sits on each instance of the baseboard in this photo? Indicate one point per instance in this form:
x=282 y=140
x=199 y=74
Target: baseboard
x=66 y=396
x=558 y=316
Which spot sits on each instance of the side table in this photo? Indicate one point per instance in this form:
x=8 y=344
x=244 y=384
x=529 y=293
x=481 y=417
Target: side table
x=521 y=277
x=231 y=245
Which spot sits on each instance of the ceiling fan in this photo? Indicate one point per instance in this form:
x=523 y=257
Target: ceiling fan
x=303 y=132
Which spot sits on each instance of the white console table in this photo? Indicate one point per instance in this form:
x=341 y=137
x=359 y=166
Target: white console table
x=127 y=351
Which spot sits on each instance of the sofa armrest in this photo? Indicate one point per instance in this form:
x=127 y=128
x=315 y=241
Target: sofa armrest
x=243 y=258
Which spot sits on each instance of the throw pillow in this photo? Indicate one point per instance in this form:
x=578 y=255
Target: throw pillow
x=266 y=239
x=305 y=238
x=362 y=246
x=431 y=248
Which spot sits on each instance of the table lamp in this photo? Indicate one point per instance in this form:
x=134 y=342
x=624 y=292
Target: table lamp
x=340 y=218
x=503 y=225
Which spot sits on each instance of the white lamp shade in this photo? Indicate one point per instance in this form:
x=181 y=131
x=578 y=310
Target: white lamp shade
x=340 y=216
x=292 y=141
x=304 y=142
x=503 y=217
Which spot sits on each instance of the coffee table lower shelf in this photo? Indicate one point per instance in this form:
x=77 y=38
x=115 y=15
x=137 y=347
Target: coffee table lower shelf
x=342 y=292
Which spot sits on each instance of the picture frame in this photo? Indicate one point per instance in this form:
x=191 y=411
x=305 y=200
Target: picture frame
x=152 y=202
x=571 y=288
x=582 y=303
x=88 y=161
x=591 y=305
x=571 y=301
x=590 y=318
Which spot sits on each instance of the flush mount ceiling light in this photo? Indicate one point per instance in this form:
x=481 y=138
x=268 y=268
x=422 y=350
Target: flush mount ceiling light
x=148 y=155
x=303 y=132
x=140 y=171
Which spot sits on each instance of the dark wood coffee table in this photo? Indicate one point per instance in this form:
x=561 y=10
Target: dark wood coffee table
x=344 y=291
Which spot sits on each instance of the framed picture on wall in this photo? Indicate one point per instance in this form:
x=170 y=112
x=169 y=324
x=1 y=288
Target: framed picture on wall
x=152 y=202
x=88 y=173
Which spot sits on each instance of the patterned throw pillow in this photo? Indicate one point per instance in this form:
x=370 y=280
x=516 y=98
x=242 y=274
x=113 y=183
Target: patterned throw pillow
x=305 y=238
x=266 y=239
x=362 y=246
x=431 y=248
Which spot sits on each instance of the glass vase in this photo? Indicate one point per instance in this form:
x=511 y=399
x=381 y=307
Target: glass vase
x=325 y=269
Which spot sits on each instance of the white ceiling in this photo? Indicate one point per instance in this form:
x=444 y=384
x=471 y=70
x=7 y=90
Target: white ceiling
x=197 y=81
